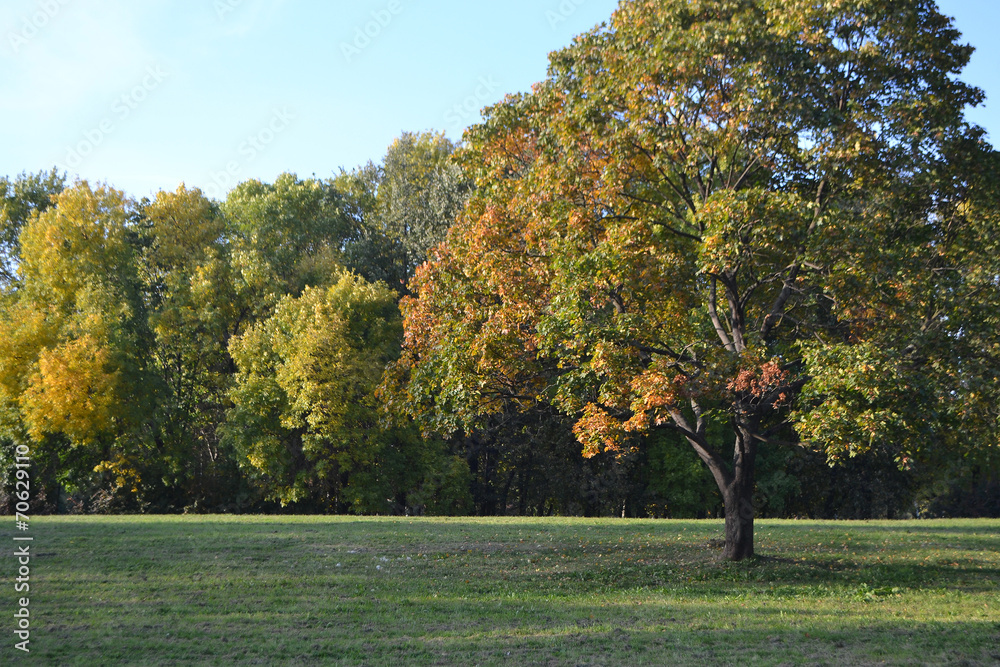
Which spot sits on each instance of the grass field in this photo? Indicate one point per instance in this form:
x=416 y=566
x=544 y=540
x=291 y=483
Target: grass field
x=166 y=590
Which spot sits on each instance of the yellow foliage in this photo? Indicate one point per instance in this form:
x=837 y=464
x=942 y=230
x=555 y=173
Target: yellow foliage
x=125 y=472
x=186 y=226
x=73 y=392
x=84 y=233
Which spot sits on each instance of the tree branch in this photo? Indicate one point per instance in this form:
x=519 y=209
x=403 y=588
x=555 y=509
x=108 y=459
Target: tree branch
x=705 y=452
x=713 y=312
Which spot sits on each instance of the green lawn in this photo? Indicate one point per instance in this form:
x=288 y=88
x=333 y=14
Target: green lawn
x=226 y=590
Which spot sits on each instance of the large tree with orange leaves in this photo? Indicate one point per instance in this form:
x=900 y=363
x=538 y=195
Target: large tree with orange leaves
x=769 y=215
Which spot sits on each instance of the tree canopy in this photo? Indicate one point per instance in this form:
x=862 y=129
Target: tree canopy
x=74 y=339
x=155 y=351
x=402 y=207
x=767 y=215
x=741 y=254
x=304 y=404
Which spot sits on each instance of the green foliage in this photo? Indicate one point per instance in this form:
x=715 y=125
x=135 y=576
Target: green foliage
x=19 y=199
x=527 y=463
x=420 y=194
x=967 y=487
x=285 y=236
x=678 y=484
x=401 y=208
x=413 y=476
x=305 y=415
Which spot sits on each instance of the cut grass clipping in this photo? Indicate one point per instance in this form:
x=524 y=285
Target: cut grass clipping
x=162 y=590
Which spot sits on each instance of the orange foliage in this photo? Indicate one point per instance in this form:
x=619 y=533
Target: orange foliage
x=655 y=395
x=598 y=431
x=760 y=380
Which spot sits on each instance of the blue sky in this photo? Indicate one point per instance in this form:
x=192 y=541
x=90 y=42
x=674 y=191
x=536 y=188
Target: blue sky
x=146 y=94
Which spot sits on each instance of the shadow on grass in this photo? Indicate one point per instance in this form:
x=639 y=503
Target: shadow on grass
x=308 y=590
x=968 y=576
x=529 y=631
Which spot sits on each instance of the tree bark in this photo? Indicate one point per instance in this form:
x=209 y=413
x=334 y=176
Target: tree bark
x=736 y=485
x=738 y=499
x=739 y=522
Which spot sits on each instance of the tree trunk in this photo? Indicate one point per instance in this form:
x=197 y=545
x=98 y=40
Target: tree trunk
x=736 y=486
x=739 y=522
x=738 y=498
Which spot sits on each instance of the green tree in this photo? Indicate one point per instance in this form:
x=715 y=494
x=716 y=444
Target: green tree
x=194 y=309
x=305 y=415
x=742 y=214
x=368 y=250
x=419 y=196
x=403 y=207
x=26 y=194
x=284 y=236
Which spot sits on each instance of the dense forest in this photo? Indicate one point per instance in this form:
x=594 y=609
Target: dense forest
x=446 y=330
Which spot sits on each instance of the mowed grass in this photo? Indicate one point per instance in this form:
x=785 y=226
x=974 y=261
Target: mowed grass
x=170 y=590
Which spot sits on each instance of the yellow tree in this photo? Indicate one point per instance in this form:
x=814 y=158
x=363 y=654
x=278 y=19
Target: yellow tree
x=194 y=309
x=74 y=340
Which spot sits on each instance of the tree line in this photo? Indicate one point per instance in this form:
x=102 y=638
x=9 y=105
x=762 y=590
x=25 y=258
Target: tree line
x=750 y=272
